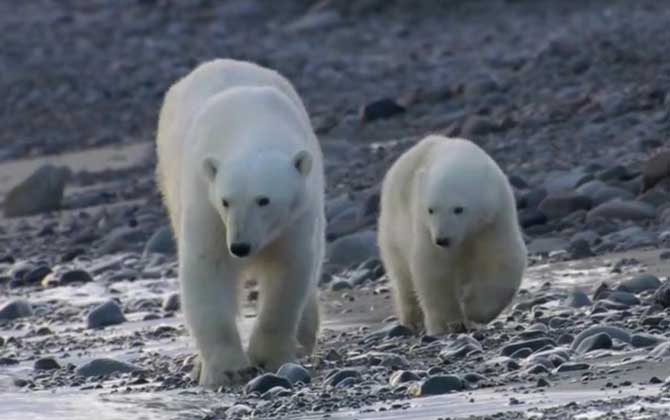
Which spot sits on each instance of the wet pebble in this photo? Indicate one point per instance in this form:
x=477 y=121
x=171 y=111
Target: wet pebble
x=75 y=276
x=262 y=384
x=613 y=332
x=535 y=344
x=336 y=377
x=46 y=363
x=642 y=340
x=461 y=347
x=381 y=109
x=438 y=385
x=662 y=295
x=104 y=367
x=294 y=373
x=402 y=376
x=577 y=299
x=106 y=314
x=600 y=341
x=640 y=283
x=171 y=303
x=18 y=308
x=572 y=367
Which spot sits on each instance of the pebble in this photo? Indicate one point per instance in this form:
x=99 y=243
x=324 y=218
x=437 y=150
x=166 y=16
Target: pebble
x=262 y=384
x=75 y=276
x=623 y=210
x=640 y=283
x=571 y=367
x=600 y=341
x=294 y=373
x=662 y=295
x=104 y=367
x=18 y=308
x=106 y=314
x=661 y=351
x=625 y=298
x=562 y=204
x=35 y=276
x=642 y=340
x=403 y=376
x=46 y=363
x=41 y=192
x=172 y=302
x=438 y=385
x=337 y=376
x=535 y=344
x=381 y=109
x=613 y=332
x=339 y=284
x=579 y=249
x=353 y=249
x=577 y=299
x=393 y=329
x=655 y=169
x=462 y=346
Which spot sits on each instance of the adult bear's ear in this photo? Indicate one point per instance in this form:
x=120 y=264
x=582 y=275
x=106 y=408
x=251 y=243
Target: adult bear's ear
x=302 y=161
x=210 y=167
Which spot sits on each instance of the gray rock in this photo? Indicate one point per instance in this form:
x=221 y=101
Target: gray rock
x=572 y=367
x=75 y=276
x=46 y=363
x=104 y=367
x=122 y=239
x=36 y=275
x=336 y=377
x=161 y=242
x=462 y=346
x=561 y=204
x=535 y=344
x=172 y=302
x=443 y=384
x=338 y=205
x=381 y=109
x=346 y=222
x=106 y=314
x=18 y=308
x=623 y=210
x=353 y=249
x=340 y=283
x=41 y=192
x=294 y=373
x=320 y=20
x=601 y=341
x=617 y=296
x=642 y=340
x=262 y=384
x=531 y=217
x=547 y=245
x=614 y=332
x=566 y=181
x=391 y=330
x=640 y=283
x=403 y=376
x=577 y=299
x=579 y=249
x=661 y=351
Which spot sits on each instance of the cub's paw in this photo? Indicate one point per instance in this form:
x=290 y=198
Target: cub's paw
x=271 y=351
x=217 y=374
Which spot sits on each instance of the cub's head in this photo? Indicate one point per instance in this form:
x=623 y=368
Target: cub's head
x=257 y=197
x=455 y=202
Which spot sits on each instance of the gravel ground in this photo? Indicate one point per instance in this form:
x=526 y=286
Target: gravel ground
x=571 y=98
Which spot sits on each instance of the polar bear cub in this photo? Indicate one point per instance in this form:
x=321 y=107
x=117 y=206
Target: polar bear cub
x=449 y=236
x=241 y=174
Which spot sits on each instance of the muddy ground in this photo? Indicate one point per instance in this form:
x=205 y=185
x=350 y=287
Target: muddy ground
x=571 y=98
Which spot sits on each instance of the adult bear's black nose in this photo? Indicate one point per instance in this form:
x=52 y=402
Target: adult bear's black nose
x=443 y=242
x=240 y=249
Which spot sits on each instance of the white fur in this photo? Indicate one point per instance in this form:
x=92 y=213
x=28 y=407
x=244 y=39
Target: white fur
x=238 y=132
x=476 y=277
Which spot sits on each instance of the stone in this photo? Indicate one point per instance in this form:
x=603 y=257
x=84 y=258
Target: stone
x=294 y=373
x=662 y=295
x=534 y=344
x=161 y=242
x=172 y=302
x=121 y=239
x=642 y=340
x=393 y=329
x=462 y=346
x=623 y=210
x=640 y=283
x=263 y=383
x=572 y=367
x=661 y=351
x=106 y=314
x=403 y=376
x=439 y=385
x=561 y=204
x=655 y=169
x=381 y=109
x=577 y=299
x=478 y=125
x=547 y=245
x=531 y=217
x=613 y=332
x=18 y=308
x=35 y=276
x=579 y=249
x=601 y=341
x=353 y=249
x=75 y=276
x=336 y=377
x=105 y=367
x=46 y=363
x=566 y=181
x=41 y=192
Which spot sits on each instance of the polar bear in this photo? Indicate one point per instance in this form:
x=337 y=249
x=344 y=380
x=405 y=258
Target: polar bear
x=241 y=174
x=449 y=236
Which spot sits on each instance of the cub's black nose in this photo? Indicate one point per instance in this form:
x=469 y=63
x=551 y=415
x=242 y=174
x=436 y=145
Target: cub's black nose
x=240 y=249
x=443 y=242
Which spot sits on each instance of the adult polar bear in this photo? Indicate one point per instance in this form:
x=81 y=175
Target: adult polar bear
x=241 y=173
x=449 y=236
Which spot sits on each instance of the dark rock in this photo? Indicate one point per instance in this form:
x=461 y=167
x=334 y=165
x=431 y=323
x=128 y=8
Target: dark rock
x=531 y=217
x=338 y=376
x=75 y=276
x=340 y=284
x=623 y=210
x=566 y=181
x=294 y=373
x=547 y=245
x=461 y=347
x=15 y=309
x=572 y=367
x=8 y=361
x=642 y=340
x=41 y=192
x=534 y=345
x=562 y=204
x=46 y=363
x=522 y=353
x=36 y=275
x=662 y=295
x=579 y=249
x=161 y=242
x=618 y=296
x=402 y=376
x=640 y=283
x=262 y=384
x=172 y=302
x=601 y=341
x=106 y=314
x=381 y=109
x=438 y=385
x=104 y=367
x=613 y=332
x=577 y=299
x=655 y=169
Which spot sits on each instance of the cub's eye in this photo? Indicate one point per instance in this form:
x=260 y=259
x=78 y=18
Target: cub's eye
x=224 y=203
x=431 y=210
x=263 y=201
x=458 y=210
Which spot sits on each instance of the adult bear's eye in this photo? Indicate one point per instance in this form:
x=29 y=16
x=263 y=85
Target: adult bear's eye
x=263 y=201
x=224 y=203
x=458 y=210
x=430 y=210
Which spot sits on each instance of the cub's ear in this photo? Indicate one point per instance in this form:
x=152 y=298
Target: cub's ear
x=302 y=161
x=210 y=167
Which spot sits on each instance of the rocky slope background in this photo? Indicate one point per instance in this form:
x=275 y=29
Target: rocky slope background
x=571 y=98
